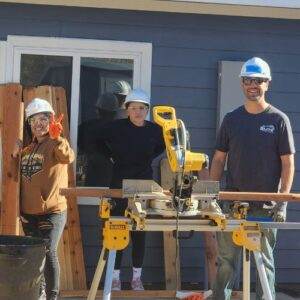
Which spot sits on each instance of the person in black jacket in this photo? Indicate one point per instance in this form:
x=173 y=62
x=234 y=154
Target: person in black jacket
x=95 y=158
x=134 y=142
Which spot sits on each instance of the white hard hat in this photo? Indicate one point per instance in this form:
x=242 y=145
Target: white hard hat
x=137 y=95
x=121 y=87
x=38 y=105
x=256 y=67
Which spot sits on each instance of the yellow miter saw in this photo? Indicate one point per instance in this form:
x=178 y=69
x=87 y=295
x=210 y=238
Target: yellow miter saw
x=188 y=196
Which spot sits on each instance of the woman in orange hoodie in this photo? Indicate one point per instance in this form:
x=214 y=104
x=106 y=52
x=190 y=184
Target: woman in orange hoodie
x=44 y=170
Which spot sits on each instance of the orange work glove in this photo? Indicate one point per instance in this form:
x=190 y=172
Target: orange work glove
x=195 y=296
x=55 y=127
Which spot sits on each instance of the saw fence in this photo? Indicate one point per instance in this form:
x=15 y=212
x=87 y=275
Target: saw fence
x=13 y=99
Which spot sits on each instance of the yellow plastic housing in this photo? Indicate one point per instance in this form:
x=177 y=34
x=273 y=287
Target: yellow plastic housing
x=115 y=235
x=248 y=235
x=165 y=116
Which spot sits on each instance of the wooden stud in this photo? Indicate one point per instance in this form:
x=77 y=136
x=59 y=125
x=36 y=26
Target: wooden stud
x=69 y=283
x=12 y=129
x=210 y=244
x=172 y=262
x=76 y=251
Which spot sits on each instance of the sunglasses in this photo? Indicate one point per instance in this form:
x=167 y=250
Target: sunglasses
x=35 y=120
x=257 y=81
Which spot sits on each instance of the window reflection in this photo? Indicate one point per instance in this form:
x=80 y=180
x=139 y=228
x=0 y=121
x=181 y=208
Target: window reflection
x=52 y=70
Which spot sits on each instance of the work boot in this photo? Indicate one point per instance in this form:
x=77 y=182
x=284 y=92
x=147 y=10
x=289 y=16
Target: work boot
x=43 y=295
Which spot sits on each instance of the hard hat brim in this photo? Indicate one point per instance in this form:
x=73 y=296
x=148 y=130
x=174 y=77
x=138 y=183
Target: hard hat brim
x=255 y=75
x=138 y=101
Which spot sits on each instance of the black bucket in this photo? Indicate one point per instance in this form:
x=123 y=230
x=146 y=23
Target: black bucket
x=22 y=261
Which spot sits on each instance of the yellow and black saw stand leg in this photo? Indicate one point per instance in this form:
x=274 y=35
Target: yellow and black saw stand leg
x=248 y=236
x=115 y=237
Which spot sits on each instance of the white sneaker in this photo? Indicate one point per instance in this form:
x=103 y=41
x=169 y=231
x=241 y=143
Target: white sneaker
x=43 y=295
x=116 y=285
x=137 y=285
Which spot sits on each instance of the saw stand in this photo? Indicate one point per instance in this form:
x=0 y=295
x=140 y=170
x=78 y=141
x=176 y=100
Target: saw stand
x=116 y=237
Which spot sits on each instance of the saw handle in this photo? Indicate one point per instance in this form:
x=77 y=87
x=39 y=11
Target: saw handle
x=163 y=114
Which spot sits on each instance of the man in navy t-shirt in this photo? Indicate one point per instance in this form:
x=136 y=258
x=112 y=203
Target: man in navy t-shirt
x=257 y=141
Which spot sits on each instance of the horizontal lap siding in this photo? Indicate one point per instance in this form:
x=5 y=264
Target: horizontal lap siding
x=186 y=52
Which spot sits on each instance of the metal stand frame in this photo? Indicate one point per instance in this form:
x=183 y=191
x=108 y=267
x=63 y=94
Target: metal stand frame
x=267 y=294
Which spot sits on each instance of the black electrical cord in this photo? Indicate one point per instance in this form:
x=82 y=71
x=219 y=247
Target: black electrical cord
x=178 y=208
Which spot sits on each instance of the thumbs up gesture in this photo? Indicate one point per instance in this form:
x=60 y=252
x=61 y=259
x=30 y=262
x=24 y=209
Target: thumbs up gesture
x=55 y=127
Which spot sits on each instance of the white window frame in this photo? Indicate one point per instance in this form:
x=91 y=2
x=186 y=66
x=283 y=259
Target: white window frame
x=140 y=53
x=3 y=46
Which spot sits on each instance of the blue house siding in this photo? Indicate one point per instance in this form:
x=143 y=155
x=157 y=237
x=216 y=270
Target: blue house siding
x=186 y=51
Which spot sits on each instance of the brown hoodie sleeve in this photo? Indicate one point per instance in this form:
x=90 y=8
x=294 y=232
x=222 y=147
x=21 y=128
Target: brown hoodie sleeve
x=63 y=151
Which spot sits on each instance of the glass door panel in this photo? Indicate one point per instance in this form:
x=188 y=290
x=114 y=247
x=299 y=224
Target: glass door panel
x=104 y=83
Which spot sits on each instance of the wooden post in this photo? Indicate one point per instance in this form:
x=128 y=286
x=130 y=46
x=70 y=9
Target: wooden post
x=12 y=129
x=76 y=252
x=172 y=263
x=210 y=244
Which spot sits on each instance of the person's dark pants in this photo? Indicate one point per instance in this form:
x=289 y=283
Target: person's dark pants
x=50 y=228
x=138 y=238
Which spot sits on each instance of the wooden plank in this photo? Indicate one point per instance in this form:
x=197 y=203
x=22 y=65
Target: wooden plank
x=44 y=92
x=12 y=129
x=223 y=196
x=123 y=294
x=171 y=262
x=171 y=257
x=252 y=196
x=91 y=192
x=62 y=262
x=59 y=102
x=68 y=284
